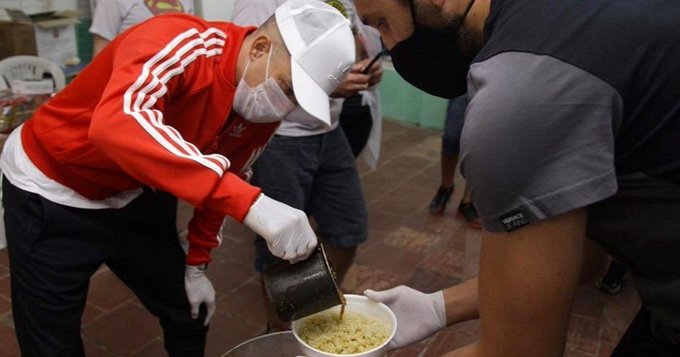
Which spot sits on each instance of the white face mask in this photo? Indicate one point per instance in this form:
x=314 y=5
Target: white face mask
x=265 y=103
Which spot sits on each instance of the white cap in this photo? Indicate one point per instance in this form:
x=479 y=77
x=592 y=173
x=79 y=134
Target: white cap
x=322 y=51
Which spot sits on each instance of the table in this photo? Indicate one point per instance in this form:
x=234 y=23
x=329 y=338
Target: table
x=279 y=344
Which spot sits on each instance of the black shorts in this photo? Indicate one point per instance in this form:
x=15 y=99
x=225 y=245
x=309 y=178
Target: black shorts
x=316 y=174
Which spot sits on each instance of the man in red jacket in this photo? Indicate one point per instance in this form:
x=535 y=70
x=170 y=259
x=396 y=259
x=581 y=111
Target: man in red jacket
x=178 y=105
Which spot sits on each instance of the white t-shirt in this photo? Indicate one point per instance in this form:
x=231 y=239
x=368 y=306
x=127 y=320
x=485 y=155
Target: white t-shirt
x=22 y=173
x=111 y=17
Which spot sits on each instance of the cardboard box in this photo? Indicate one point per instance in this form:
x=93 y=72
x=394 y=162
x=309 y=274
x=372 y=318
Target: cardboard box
x=50 y=35
x=17 y=39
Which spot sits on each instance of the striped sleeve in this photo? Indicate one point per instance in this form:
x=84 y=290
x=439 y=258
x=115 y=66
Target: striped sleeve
x=153 y=62
x=152 y=84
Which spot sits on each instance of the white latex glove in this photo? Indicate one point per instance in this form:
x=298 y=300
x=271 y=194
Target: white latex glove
x=286 y=229
x=419 y=315
x=199 y=291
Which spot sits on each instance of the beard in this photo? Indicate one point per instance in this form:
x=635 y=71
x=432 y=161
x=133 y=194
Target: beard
x=430 y=17
x=469 y=40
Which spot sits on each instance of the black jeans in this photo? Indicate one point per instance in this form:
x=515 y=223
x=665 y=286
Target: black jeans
x=55 y=249
x=356 y=121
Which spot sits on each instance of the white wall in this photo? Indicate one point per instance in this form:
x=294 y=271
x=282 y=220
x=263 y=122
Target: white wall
x=215 y=10
x=63 y=4
x=34 y=6
x=29 y=6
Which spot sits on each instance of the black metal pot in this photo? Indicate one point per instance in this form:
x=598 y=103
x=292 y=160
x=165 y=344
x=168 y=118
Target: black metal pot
x=301 y=289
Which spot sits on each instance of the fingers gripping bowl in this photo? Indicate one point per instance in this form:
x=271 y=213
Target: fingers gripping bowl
x=367 y=325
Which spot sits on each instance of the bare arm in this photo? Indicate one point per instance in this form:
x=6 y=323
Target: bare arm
x=98 y=44
x=526 y=288
x=107 y=22
x=462 y=302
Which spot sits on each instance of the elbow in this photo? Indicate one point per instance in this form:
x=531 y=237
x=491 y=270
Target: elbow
x=99 y=134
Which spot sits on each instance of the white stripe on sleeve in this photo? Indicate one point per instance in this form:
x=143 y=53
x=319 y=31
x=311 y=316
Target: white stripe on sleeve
x=137 y=101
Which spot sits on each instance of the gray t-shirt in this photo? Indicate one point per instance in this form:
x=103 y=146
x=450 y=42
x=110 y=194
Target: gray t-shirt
x=538 y=139
x=564 y=97
x=576 y=104
x=112 y=17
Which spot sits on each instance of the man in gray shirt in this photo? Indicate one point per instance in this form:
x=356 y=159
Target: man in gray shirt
x=572 y=131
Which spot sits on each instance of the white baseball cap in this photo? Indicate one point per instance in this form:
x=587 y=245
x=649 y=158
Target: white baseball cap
x=322 y=51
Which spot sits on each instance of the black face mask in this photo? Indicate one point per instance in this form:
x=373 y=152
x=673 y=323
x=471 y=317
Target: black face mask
x=432 y=60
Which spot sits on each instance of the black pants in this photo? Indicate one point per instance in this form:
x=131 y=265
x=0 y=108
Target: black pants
x=356 y=121
x=639 y=340
x=55 y=249
x=640 y=228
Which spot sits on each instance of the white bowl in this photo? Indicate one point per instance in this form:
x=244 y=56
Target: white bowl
x=364 y=306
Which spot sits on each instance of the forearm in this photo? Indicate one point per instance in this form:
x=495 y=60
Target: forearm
x=471 y=350
x=461 y=301
x=98 y=44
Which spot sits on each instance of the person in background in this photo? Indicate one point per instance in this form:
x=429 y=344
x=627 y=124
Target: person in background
x=111 y=17
x=311 y=167
x=178 y=105
x=453 y=126
x=570 y=139
x=361 y=115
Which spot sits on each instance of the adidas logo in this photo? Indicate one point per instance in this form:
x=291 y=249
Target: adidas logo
x=238 y=130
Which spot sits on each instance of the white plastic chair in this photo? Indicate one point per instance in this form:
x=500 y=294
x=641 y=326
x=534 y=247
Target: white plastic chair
x=26 y=67
x=30 y=67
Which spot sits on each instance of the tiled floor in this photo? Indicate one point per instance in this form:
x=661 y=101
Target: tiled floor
x=406 y=246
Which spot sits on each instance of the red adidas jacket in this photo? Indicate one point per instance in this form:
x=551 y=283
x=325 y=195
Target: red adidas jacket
x=154 y=109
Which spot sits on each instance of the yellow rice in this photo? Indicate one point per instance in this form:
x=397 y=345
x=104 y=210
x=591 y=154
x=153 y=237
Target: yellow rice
x=355 y=333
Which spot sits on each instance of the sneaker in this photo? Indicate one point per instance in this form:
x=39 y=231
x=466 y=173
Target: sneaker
x=440 y=200
x=467 y=211
x=609 y=287
x=612 y=281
